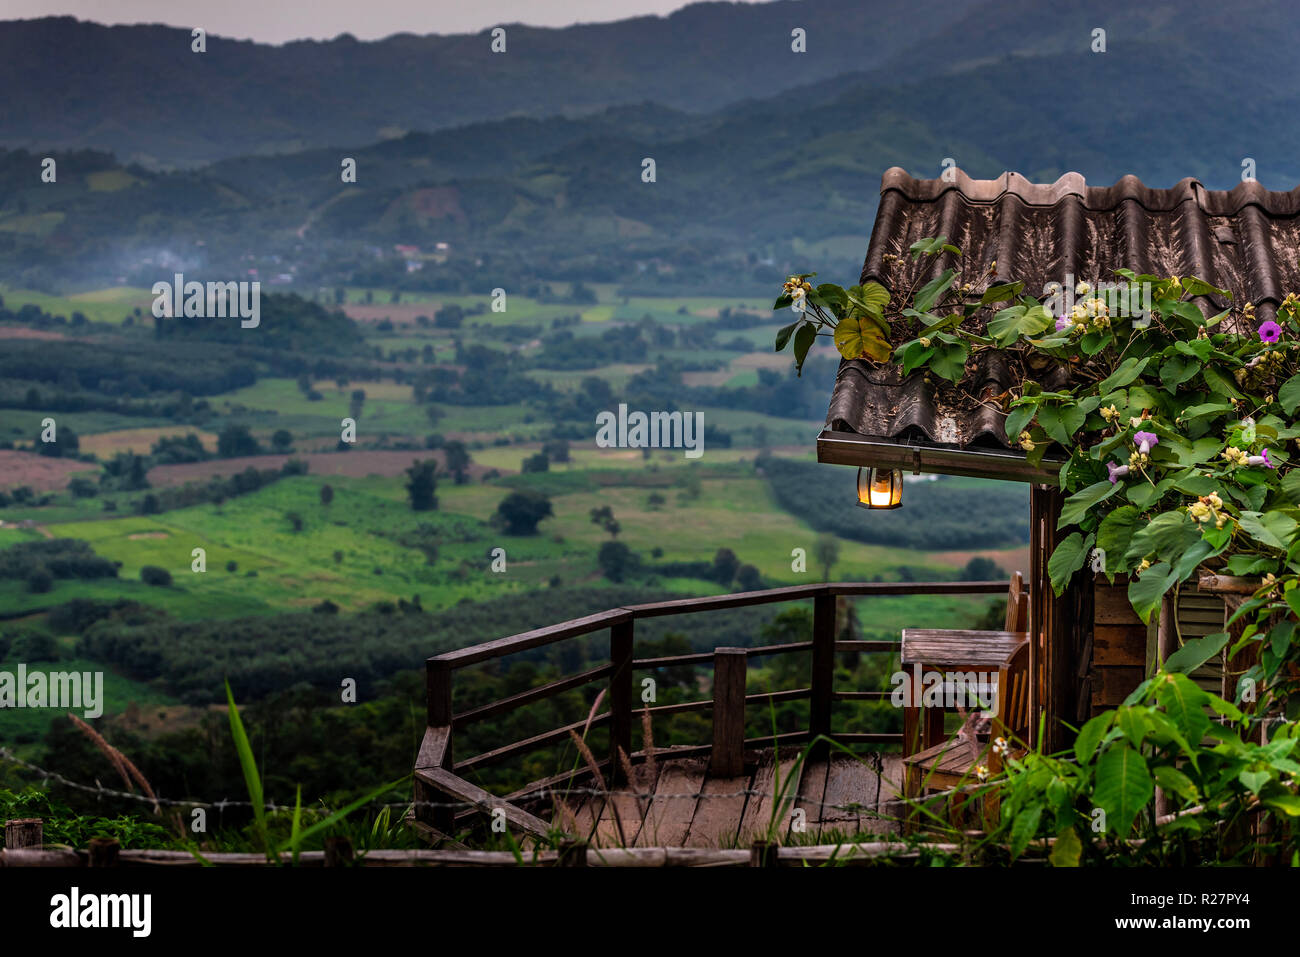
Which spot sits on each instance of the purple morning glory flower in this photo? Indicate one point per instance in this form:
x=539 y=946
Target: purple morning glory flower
x=1261 y=459
x=1270 y=332
x=1117 y=472
x=1063 y=322
x=1145 y=441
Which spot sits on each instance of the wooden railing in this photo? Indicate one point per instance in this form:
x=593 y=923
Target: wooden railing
x=439 y=782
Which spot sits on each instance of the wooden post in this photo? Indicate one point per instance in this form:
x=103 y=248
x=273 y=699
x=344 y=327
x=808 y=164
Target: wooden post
x=763 y=854
x=338 y=852
x=620 y=698
x=729 y=671
x=823 y=670
x=24 y=832
x=572 y=854
x=438 y=693
x=103 y=852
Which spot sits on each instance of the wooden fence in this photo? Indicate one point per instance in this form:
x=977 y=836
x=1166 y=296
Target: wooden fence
x=440 y=785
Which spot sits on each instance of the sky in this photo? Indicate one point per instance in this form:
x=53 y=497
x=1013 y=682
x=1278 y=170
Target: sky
x=282 y=20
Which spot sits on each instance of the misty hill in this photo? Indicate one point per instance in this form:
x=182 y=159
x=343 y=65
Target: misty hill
x=141 y=93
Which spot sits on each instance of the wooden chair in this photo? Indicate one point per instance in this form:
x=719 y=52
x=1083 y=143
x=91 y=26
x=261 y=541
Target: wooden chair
x=923 y=728
x=951 y=764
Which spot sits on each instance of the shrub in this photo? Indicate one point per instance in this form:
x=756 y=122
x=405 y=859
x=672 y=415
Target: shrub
x=153 y=575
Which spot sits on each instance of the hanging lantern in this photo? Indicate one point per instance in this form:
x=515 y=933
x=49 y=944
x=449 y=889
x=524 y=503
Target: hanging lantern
x=880 y=488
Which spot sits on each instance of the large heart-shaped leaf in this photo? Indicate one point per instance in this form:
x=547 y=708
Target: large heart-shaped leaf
x=859 y=337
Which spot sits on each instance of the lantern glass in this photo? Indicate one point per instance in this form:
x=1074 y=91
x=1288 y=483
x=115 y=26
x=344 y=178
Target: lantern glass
x=880 y=488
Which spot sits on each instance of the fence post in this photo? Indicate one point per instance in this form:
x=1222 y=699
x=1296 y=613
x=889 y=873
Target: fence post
x=103 y=852
x=620 y=697
x=338 y=852
x=438 y=691
x=24 y=832
x=764 y=854
x=823 y=670
x=729 y=672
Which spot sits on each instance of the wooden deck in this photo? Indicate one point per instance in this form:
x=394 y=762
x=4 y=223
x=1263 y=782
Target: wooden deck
x=677 y=802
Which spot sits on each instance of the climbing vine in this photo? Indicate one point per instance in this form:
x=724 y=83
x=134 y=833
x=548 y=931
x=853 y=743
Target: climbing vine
x=1173 y=432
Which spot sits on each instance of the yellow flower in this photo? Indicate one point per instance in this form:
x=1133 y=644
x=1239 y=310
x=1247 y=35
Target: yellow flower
x=1110 y=413
x=1026 y=442
x=1144 y=566
x=925 y=341
x=1082 y=289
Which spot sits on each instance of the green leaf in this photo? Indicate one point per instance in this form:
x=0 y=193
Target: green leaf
x=871 y=297
x=1176 y=371
x=804 y=337
x=1017 y=419
x=1114 y=535
x=1184 y=702
x=247 y=763
x=1166 y=536
x=1176 y=782
x=1066 y=850
x=1123 y=787
x=783 y=335
x=915 y=355
x=949 y=361
x=1219 y=383
x=1268 y=528
x=1014 y=321
x=1067 y=558
x=1254 y=780
x=1081 y=502
x=929 y=293
x=1090 y=735
x=1001 y=292
x=1144 y=593
x=1126 y=372
x=1023 y=828
x=1289 y=394
x=1061 y=422
x=1196 y=652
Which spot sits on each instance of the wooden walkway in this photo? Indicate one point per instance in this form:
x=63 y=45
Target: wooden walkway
x=676 y=802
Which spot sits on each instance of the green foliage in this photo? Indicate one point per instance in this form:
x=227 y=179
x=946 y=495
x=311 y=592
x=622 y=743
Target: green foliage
x=1174 y=436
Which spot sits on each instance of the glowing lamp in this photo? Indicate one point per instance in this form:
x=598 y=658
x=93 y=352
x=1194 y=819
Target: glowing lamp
x=880 y=488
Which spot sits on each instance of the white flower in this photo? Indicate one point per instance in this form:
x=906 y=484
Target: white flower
x=1082 y=289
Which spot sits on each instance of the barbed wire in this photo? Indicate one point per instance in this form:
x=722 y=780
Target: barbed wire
x=541 y=794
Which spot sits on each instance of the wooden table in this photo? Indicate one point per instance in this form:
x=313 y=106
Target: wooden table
x=948 y=650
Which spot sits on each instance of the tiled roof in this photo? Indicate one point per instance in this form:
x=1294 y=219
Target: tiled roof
x=1246 y=240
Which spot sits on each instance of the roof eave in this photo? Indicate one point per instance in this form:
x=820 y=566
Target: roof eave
x=850 y=448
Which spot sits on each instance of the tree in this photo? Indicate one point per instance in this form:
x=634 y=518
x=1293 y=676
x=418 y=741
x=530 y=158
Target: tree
x=615 y=560
x=39 y=580
x=236 y=441
x=326 y=494
x=557 y=450
x=65 y=443
x=981 y=569
x=826 y=552
x=604 y=516
x=536 y=463
x=655 y=501
x=458 y=460
x=358 y=400
x=281 y=441
x=295 y=521
x=748 y=578
x=725 y=566
x=421 y=483
x=520 y=512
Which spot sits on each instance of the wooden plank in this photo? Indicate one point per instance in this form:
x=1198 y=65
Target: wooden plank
x=757 y=817
x=669 y=818
x=531 y=695
x=729 y=673
x=1122 y=645
x=850 y=781
x=718 y=813
x=1110 y=686
x=532 y=639
x=621 y=817
x=959 y=648
x=812 y=791
x=463 y=790
x=1112 y=607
